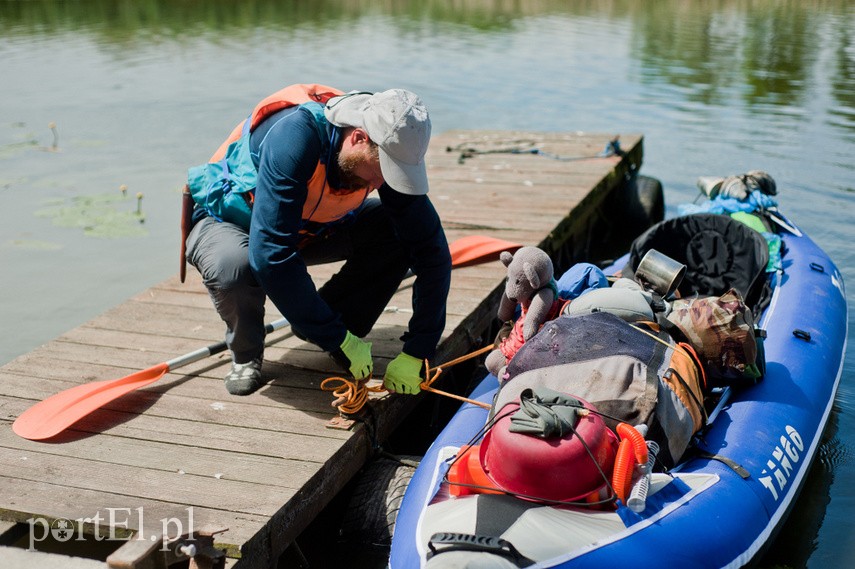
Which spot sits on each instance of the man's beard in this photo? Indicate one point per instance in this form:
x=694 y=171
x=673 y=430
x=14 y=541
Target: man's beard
x=348 y=181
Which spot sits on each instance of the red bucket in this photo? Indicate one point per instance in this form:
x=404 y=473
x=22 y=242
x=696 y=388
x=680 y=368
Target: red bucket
x=560 y=469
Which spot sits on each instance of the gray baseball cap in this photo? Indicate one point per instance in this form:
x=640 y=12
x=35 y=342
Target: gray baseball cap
x=398 y=122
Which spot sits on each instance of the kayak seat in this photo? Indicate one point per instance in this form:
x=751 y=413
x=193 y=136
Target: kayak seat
x=719 y=253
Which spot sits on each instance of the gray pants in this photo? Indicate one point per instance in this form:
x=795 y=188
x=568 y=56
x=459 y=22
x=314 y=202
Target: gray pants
x=375 y=265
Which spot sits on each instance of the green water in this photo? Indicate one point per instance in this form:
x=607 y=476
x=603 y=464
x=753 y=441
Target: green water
x=100 y=96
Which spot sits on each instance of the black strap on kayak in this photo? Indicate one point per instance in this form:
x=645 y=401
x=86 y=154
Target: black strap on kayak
x=497 y=513
x=735 y=466
x=444 y=542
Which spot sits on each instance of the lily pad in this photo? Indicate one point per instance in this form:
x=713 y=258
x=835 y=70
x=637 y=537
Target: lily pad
x=13 y=148
x=103 y=215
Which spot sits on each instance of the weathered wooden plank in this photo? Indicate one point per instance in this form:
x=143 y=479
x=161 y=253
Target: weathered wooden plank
x=173 y=321
x=162 y=320
x=172 y=458
x=507 y=182
x=403 y=299
x=190 y=489
x=129 y=360
x=238 y=439
x=133 y=359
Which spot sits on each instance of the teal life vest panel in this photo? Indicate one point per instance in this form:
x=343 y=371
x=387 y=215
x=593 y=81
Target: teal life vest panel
x=225 y=188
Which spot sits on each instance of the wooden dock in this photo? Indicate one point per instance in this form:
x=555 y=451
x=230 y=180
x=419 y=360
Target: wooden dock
x=265 y=465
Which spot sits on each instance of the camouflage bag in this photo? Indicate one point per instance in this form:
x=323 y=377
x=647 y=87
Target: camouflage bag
x=721 y=330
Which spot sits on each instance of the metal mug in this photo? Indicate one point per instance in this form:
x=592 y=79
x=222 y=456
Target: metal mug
x=659 y=273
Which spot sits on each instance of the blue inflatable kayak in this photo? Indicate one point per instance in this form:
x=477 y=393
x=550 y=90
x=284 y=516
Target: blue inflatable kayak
x=719 y=509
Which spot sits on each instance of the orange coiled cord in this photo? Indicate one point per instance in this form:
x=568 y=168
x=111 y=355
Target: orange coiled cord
x=631 y=451
x=351 y=395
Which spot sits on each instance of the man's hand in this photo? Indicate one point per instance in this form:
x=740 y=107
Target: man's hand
x=403 y=375
x=354 y=355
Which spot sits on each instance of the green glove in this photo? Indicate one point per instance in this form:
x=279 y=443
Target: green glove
x=356 y=356
x=403 y=375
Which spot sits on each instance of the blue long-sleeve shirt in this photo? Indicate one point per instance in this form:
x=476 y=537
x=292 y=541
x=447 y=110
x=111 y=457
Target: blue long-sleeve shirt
x=288 y=147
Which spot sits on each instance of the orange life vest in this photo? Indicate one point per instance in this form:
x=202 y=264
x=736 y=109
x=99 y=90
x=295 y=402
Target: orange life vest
x=323 y=203
x=282 y=99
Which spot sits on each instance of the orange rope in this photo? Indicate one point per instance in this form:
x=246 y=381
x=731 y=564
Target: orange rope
x=351 y=395
x=432 y=375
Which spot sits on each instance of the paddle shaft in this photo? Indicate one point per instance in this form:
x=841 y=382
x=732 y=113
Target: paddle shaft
x=202 y=353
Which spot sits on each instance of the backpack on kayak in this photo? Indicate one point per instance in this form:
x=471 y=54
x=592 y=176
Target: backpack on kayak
x=632 y=373
x=721 y=330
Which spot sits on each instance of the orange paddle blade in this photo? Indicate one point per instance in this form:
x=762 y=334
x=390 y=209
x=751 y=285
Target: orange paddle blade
x=58 y=412
x=478 y=249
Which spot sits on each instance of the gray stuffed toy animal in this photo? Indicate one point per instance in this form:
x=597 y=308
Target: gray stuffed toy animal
x=530 y=285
